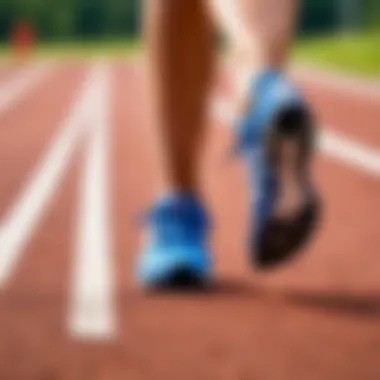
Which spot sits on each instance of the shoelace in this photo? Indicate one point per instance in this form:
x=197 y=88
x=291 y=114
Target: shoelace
x=175 y=224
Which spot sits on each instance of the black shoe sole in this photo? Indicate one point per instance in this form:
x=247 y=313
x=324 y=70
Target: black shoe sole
x=283 y=237
x=181 y=279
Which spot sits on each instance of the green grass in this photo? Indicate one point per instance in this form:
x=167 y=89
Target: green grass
x=113 y=48
x=359 y=53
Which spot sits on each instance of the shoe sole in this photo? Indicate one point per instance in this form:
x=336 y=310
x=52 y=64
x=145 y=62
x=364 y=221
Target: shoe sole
x=284 y=235
x=181 y=279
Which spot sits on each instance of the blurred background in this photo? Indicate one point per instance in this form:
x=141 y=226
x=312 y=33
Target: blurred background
x=331 y=31
x=316 y=319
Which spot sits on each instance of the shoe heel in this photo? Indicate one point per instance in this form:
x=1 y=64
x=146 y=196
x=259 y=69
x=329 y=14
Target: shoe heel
x=294 y=123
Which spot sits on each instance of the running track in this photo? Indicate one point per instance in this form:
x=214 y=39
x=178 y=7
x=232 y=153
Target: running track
x=77 y=167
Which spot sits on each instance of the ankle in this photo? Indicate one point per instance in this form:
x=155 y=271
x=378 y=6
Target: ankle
x=173 y=194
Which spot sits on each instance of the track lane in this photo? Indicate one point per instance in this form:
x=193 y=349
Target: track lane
x=355 y=115
x=8 y=70
x=315 y=319
x=34 y=304
x=26 y=130
x=33 y=335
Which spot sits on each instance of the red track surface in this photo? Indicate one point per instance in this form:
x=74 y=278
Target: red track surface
x=318 y=318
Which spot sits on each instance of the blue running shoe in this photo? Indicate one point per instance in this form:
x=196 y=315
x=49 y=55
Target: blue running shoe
x=176 y=252
x=276 y=136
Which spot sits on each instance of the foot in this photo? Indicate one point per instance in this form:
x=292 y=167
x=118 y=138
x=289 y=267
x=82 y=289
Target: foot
x=276 y=136
x=176 y=252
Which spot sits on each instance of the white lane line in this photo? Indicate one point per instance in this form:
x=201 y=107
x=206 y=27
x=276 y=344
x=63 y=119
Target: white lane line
x=91 y=309
x=21 y=83
x=350 y=152
x=332 y=144
x=337 y=81
x=22 y=219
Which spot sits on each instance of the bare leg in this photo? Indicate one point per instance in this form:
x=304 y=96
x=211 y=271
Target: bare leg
x=179 y=42
x=179 y=46
x=275 y=129
x=259 y=33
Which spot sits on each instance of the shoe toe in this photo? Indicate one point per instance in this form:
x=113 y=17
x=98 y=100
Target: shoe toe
x=177 y=266
x=282 y=239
